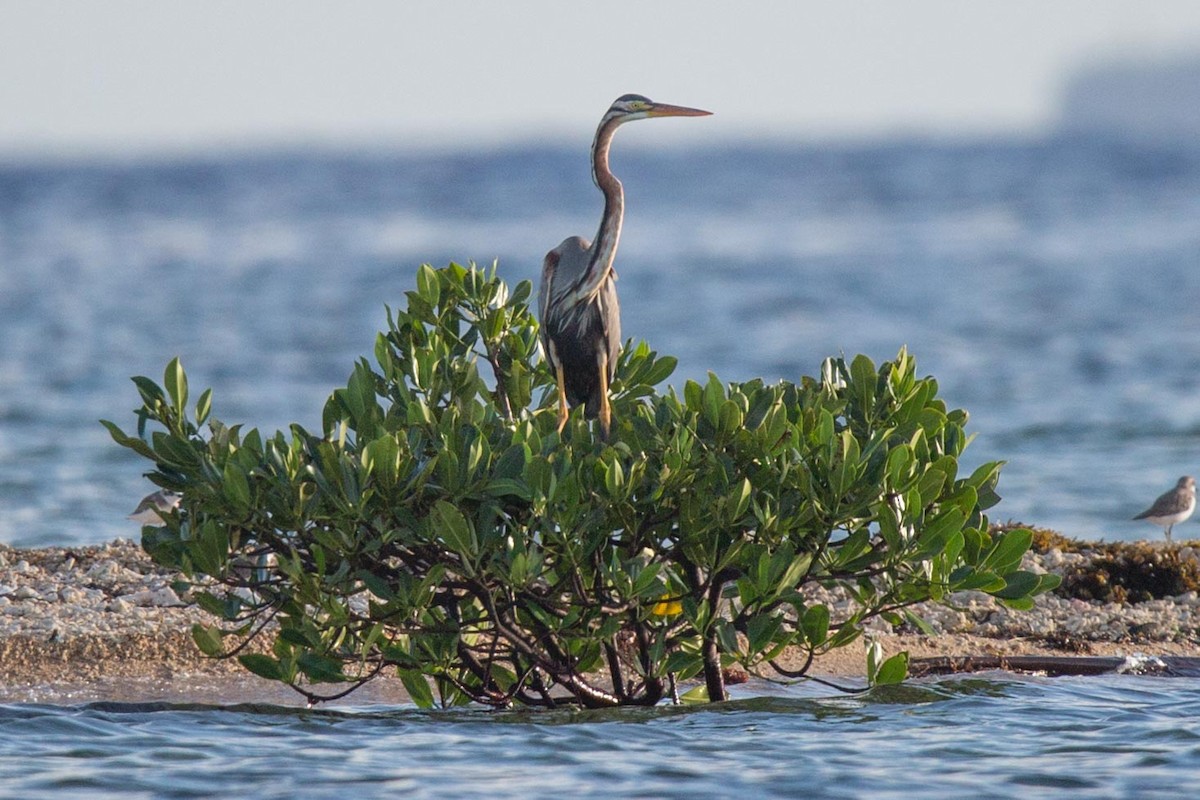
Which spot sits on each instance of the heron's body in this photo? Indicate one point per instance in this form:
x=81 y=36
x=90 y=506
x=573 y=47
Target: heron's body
x=586 y=340
x=1172 y=507
x=580 y=314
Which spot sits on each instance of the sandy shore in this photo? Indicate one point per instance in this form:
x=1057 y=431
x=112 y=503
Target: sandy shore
x=102 y=623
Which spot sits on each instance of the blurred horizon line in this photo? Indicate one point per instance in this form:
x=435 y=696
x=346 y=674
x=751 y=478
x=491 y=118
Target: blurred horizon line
x=266 y=148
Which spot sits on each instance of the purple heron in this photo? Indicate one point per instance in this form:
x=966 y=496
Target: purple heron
x=580 y=316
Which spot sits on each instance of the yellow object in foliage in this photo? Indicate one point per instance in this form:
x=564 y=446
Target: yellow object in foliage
x=666 y=607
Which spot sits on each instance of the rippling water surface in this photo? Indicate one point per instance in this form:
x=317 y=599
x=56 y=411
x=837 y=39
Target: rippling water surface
x=1051 y=286
x=1118 y=736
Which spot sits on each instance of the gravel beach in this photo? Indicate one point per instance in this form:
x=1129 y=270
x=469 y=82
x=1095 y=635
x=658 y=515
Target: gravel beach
x=102 y=623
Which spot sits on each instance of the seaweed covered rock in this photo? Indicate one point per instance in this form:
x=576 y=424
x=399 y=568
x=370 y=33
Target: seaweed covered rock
x=1132 y=572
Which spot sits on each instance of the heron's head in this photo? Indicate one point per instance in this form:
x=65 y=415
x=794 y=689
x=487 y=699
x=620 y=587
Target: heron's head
x=629 y=107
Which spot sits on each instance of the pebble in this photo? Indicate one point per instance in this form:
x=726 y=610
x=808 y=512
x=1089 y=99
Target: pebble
x=72 y=595
x=162 y=597
x=118 y=606
x=107 y=570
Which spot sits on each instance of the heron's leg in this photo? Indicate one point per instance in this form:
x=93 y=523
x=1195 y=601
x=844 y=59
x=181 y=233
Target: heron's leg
x=605 y=409
x=1169 y=527
x=563 y=411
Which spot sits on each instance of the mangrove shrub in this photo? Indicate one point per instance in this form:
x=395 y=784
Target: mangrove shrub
x=439 y=527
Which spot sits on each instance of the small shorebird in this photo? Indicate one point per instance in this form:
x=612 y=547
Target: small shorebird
x=1173 y=507
x=153 y=506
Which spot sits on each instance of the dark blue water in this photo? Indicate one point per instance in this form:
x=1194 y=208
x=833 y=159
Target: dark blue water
x=1051 y=286
x=1095 y=737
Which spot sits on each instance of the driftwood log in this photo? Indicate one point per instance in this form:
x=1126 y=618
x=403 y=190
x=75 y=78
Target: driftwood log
x=1167 y=666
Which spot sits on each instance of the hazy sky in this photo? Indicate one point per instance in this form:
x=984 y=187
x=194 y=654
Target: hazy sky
x=126 y=75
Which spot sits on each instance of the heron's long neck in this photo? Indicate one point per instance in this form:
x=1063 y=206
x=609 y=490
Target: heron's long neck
x=604 y=246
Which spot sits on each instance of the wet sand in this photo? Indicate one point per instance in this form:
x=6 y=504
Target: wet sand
x=169 y=668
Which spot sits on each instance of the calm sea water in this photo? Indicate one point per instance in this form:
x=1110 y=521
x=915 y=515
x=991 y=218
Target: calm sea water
x=1051 y=286
x=979 y=738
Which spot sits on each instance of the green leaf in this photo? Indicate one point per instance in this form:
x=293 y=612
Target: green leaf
x=226 y=608
x=131 y=442
x=511 y=464
x=976 y=581
x=320 y=669
x=614 y=479
x=454 y=529
x=919 y=623
x=427 y=285
x=730 y=417
x=359 y=397
x=726 y=635
x=714 y=395
x=174 y=451
x=299 y=637
x=417 y=687
x=176 y=382
x=862 y=381
x=151 y=394
x=262 y=665
x=934 y=537
x=741 y=498
x=761 y=630
x=1019 y=584
x=235 y=486
x=796 y=570
x=898 y=461
x=377 y=585
x=683 y=662
x=853 y=546
x=892 y=671
x=379 y=459
x=1006 y=553
x=203 y=406
x=825 y=428
x=1047 y=583
x=208 y=639
x=646 y=579
x=660 y=370
x=508 y=487
x=815 y=624
x=520 y=294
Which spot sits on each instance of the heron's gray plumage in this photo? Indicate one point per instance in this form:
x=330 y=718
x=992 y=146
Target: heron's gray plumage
x=575 y=334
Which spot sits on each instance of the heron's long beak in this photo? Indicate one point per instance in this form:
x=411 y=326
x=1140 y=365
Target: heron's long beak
x=665 y=110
